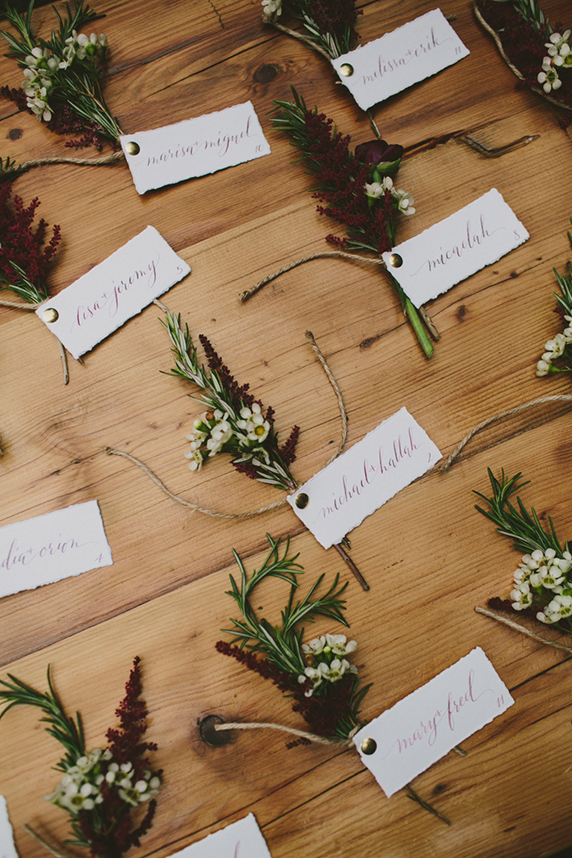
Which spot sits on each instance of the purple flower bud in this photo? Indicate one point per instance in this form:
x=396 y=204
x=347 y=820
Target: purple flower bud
x=377 y=153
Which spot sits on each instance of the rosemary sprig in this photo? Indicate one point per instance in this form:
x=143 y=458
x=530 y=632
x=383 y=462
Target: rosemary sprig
x=323 y=684
x=68 y=732
x=523 y=527
x=281 y=644
x=358 y=192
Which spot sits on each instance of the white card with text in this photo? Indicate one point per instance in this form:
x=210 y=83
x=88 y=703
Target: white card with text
x=431 y=721
x=242 y=839
x=195 y=147
x=457 y=247
x=99 y=302
x=50 y=547
x=363 y=478
x=400 y=59
x=7 y=845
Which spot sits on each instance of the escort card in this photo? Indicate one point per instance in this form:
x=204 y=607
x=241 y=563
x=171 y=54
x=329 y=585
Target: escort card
x=426 y=725
x=195 y=147
x=7 y=845
x=399 y=59
x=242 y=839
x=51 y=547
x=453 y=249
x=93 y=307
x=363 y=478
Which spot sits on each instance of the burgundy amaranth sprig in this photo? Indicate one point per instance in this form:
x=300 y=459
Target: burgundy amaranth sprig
x=99 y=789
x=317 y=676
x=355 y=188
x=328 y=25
x=234 y=421
x=25 y=257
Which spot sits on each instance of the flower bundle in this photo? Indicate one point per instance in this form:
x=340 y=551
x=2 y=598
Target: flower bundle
x=356 y=188
x=322 y=683
x=234 y=422
x=99 y=788
x=540 y=57
x=542 y=584
x=328 y=25
x=24 y=260
x=63 y=76
x=560 y=346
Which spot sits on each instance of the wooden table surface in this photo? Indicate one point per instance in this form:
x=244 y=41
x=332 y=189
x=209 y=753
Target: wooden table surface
x=430 y=558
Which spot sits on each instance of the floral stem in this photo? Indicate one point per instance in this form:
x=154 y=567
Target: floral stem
x=46 y=845
x=425 y=805
x=347 y=559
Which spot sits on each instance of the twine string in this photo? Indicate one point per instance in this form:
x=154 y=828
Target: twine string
x=31 y=307
x=302 y=734
x=326 y=254
x=524 y=631
x=113 y=158
x=562 y=397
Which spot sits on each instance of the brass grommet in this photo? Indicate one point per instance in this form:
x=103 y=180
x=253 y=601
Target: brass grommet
x=50 y=315
x=346 y=70
x=302 y=500
x=395 y=260
x=132 y=148
x=368 y=746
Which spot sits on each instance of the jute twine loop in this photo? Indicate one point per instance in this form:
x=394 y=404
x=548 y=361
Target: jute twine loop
x=32 y=307
x=110 y=451
x=518 y=628
x=311 y=737
x=326 y=254
x=113 y=158
x=563 y=397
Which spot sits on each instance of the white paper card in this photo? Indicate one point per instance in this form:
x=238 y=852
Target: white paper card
x=364 y=477
x=242 y=839
x=399 y=59
x=7 y=845
x=93 y=307
x=195 y=147
x=455 y=248
x=427 y=724
x=50 y=547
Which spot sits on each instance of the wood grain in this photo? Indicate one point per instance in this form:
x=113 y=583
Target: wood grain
x=428 y=555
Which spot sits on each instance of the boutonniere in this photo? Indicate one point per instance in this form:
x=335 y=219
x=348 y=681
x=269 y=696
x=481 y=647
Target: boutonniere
x=63 y=79
x=99 y=789
x=26 y=254
x=328 y=28
x=538 y=56
x=542 y=583
x=317 y=675
x=559 y=348
x=237 y=424
x=355 y=188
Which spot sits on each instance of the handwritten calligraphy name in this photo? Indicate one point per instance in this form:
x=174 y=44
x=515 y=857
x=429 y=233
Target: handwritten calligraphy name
x=23 y=557
x=110 y=299
x=402 y=448
x=472 y=240
x=388 y=66
x=427 y=729
x=223 y=143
